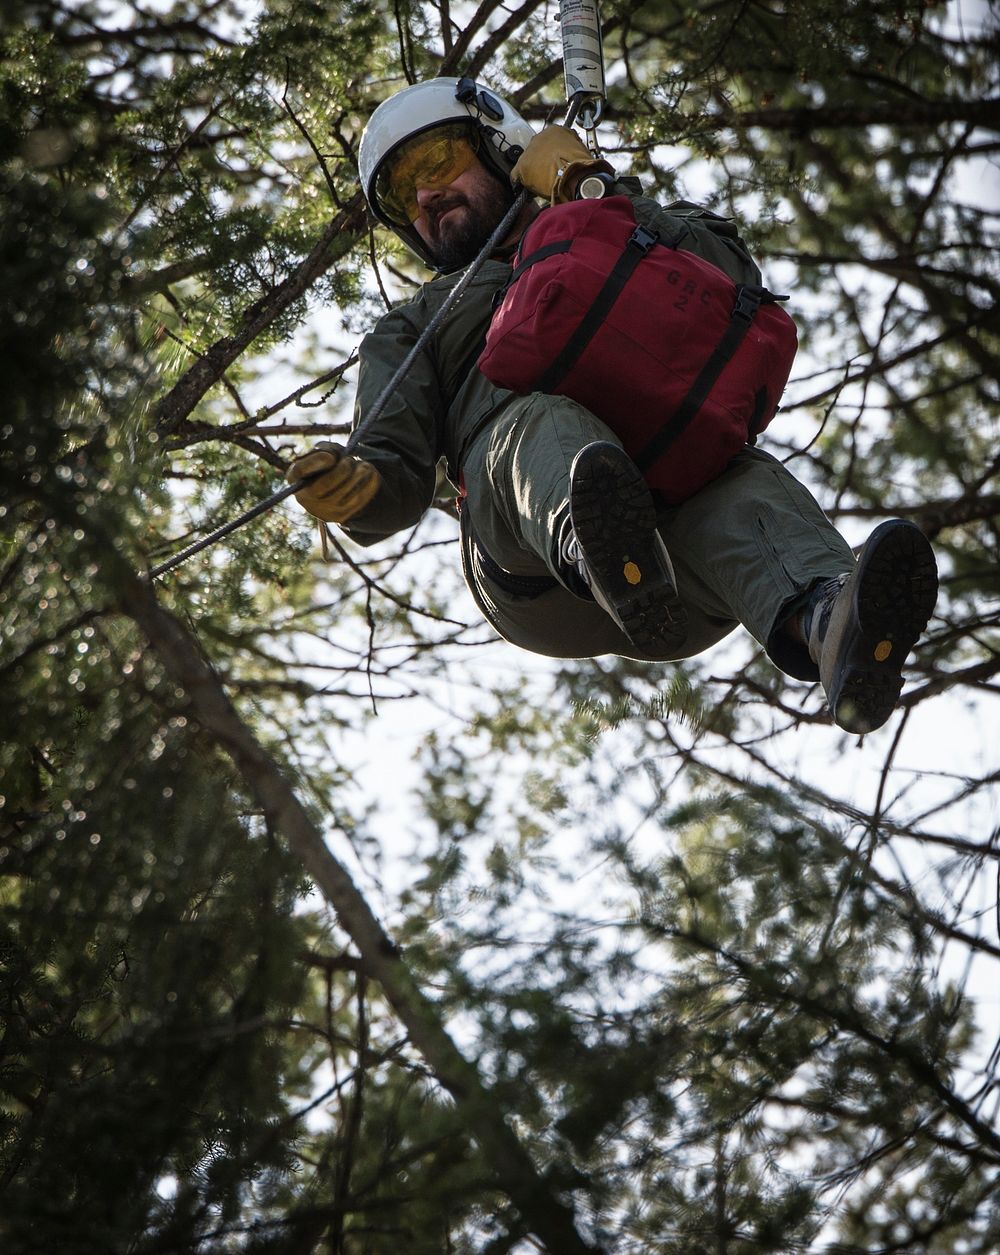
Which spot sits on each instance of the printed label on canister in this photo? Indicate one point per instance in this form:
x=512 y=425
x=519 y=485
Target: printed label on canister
x=583 y=60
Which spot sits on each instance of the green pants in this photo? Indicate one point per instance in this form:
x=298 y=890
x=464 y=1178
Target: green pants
x=746 y=549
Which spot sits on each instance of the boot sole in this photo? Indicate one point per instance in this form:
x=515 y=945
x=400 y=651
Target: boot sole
x=894 y=591
x=614 y=518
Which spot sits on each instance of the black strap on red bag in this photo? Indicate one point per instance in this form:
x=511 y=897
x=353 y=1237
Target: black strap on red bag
x=636 y=247
x=749 y=298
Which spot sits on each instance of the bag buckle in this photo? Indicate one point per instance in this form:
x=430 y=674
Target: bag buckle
x=748 y=301
x=643 y=239
x=749 y=298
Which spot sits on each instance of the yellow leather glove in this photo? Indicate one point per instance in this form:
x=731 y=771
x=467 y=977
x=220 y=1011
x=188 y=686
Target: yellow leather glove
x=553 y=161
x=348 y=486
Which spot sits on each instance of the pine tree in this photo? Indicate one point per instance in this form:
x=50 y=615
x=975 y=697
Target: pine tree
x=666 y=963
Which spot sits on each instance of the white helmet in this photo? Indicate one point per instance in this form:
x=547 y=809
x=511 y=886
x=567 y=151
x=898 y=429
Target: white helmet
x=423 y=106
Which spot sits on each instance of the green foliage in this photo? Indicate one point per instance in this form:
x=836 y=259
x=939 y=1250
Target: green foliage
x=701 y=949
x=146 y=968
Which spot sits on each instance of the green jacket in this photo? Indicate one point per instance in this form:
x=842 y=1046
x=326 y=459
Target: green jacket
x=443 y=401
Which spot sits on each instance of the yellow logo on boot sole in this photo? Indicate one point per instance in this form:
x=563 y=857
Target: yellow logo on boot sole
x=882 y=650
x=632 y=573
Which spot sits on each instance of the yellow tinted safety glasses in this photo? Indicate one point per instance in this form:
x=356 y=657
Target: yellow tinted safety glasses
x=434 y=159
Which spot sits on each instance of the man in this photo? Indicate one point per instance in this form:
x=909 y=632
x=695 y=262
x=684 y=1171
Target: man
x=565 y=549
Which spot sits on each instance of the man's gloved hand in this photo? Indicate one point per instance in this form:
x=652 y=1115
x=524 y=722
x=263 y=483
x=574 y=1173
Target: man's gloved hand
x=340 y=494
x=552 y=163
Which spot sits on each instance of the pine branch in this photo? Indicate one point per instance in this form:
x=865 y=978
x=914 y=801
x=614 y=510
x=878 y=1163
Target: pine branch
x=912 y=113
x=931 y=516
x=850 y=1018
x=880 y=366
x=499 y=37
x=905 y=900
x=942 y=302
x=476 y=23
x=172 y=411
x=209 y=704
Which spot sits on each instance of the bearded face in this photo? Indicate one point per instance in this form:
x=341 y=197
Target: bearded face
x=456 y=221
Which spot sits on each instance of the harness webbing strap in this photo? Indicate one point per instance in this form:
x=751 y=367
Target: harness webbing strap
x=540 y=254
x=530 y=586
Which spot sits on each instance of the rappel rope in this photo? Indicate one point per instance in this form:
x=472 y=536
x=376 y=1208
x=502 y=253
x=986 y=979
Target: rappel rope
x=583 y=67
x=454 y=296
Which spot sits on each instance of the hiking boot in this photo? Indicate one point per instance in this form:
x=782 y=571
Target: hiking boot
x=616 y=550
x=861 y=626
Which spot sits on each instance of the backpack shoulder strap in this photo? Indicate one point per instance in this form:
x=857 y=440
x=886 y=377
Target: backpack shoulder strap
x=636 y=247
x=749 y=299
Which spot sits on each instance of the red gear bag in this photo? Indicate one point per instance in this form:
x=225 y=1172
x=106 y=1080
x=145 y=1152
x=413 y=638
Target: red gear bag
x=683 y=364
